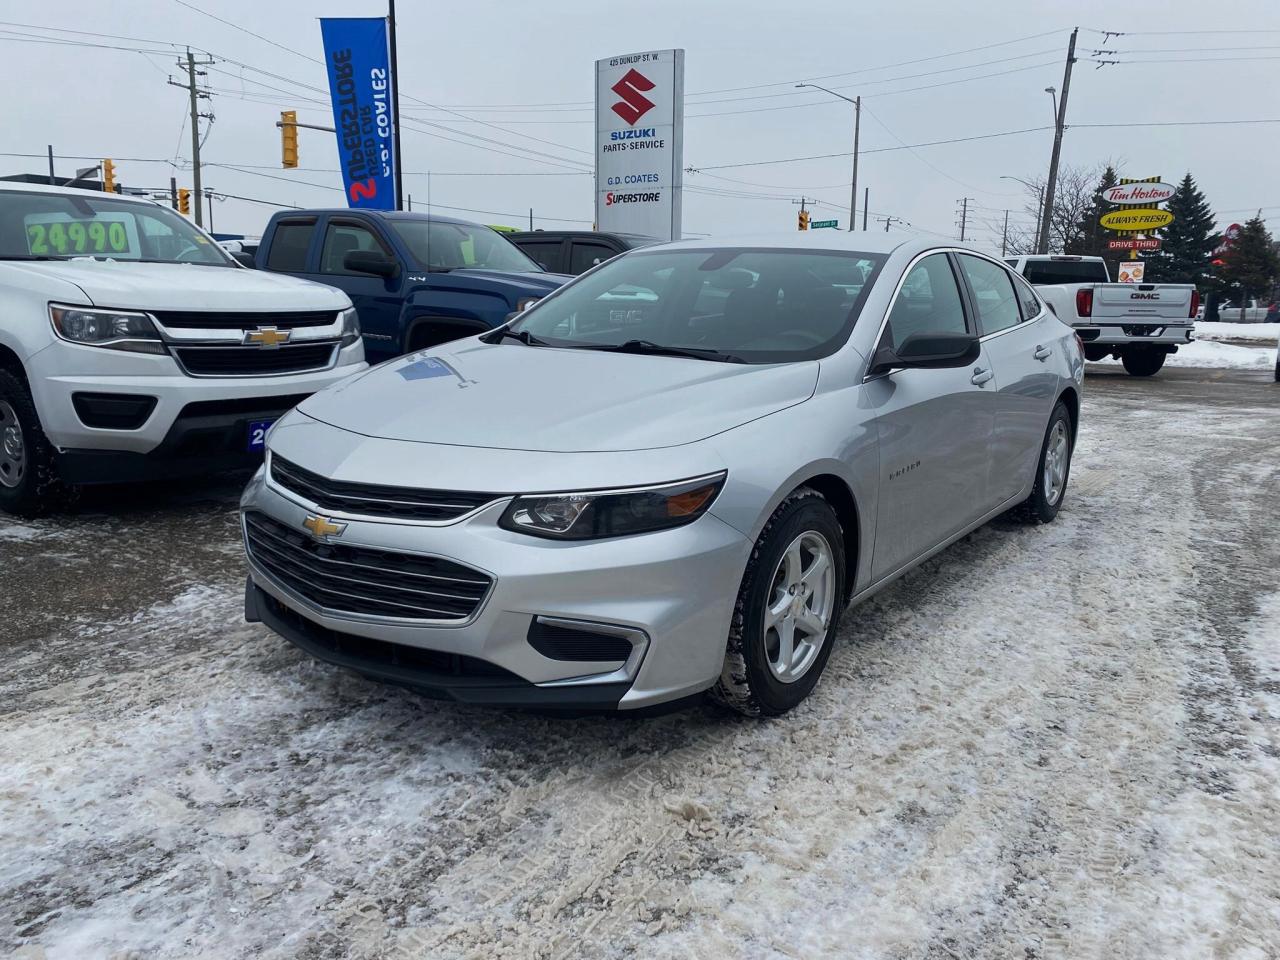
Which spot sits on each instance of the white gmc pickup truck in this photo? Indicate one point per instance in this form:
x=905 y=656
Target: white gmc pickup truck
x=1138 y=323
x=132 y=346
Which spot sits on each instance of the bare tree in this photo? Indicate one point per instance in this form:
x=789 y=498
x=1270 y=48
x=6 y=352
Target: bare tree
x=1072 y=200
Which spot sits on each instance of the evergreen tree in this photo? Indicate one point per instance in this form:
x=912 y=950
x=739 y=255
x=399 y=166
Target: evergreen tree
x=1189 y=241
x=1252 y=264
x=1088 y=238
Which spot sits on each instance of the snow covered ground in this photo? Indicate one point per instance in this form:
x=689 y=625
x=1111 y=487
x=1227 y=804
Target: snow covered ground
x=1053 y=742
x=1211 y=353
x=1262 y=332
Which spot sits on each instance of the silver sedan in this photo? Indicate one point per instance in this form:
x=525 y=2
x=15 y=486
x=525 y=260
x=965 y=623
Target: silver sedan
x=669 y=477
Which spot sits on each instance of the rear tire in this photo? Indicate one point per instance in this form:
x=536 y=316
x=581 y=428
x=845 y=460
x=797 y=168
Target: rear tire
x=1053 y=470
x=29 y=483
x=788 y=609
x=1143 y=362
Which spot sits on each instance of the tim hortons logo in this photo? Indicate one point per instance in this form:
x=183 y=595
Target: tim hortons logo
x=631 y=89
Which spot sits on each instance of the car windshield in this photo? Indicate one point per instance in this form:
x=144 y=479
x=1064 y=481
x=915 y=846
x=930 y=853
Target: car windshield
x=749 y=305
x=438 y=245
x=1044 y=272
x=59 y=226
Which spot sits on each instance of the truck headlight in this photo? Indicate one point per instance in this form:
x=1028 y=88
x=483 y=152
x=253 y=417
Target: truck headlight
x=591 y=515
x=350 y=326
x=113 y=329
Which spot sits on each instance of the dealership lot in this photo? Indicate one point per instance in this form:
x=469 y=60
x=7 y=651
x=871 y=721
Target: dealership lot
x=1060 y=740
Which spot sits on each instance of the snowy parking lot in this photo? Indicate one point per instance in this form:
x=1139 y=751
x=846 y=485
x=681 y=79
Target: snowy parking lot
x=1048 y=742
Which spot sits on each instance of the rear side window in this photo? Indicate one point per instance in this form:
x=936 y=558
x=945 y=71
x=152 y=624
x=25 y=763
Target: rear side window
x=1026 y=298
x=929 y=302
x=545 y=252
x=993 y=290
x=289 y=245
x=1042 y=272
x=585 y=254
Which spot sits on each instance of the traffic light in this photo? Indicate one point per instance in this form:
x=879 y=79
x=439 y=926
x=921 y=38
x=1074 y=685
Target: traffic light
x=804 y=220
x=184 y=200
x=108 y=176
x=288 y=138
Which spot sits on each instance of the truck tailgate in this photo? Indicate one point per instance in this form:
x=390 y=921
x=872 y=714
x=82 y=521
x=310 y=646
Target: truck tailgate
x=1164 y=301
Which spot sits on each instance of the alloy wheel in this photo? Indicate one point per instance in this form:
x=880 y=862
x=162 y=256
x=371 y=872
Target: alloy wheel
x=798 y=611
x=1057 y=455
x=13 y=453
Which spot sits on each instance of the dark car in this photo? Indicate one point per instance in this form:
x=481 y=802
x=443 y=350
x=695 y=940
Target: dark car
x=576 y=251
x=415 y=280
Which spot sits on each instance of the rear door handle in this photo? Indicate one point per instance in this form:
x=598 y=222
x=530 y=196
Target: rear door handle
x=1043 y=353
x=980 y=376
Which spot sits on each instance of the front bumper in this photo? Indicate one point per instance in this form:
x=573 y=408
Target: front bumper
x=673 y=588
x=183 y=404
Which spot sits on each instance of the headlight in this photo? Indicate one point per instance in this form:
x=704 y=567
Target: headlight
x=114 y=329
x=612 y=513
x=350 y=326
x=524 y=303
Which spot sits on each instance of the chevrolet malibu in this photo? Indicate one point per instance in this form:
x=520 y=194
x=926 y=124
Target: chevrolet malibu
x=668 y=477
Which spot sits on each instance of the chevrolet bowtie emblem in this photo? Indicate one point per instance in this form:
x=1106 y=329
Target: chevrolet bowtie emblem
x=322 y=527
x=266 y=337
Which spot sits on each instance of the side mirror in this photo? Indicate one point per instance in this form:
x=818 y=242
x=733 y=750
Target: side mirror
x=244 y=259
x=928 y=351
x=370 y=261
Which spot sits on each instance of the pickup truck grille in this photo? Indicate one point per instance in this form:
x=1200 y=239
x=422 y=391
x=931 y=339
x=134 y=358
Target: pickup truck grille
x=255 y=361
x=375 y=500
x=363 y=581
x=210 y=320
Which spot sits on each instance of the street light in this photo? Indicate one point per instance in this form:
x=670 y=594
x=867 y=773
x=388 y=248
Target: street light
x=1053 y=92
x=857 y=123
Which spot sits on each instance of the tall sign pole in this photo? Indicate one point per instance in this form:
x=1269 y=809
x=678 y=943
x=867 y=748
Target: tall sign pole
x=1042 y=242
x=395 y=102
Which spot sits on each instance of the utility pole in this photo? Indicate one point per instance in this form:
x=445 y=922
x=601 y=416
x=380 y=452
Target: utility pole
x=173 y=192
x=52 y=180
x=208 y=196
x=1004 y=236
x=964 y=215
x=1042 y=241
x=866 y=205
x=395 y=100
x=196 y=95
x=887 y=220
x=531 y=219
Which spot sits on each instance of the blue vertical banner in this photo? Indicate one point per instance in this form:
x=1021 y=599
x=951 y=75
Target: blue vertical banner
x=355 y=54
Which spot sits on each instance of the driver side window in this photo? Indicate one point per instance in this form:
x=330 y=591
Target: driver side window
x=928 y=302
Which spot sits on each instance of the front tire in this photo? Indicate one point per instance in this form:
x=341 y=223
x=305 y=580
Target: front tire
x=1143 y=362
x=1053 y=470
x=788 y=609
x=29 y=483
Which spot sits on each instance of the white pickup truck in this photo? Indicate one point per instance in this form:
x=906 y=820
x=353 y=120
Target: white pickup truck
x=1140 y=324
x=1255 y=311
x=132 y=346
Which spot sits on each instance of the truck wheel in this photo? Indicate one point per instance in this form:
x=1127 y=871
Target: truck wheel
x=1142 y=362
x=788 y=609
x=29 y=483
x=1053 y=469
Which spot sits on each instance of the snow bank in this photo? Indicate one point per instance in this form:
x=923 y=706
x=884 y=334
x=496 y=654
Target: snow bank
x=1209 y=353
x=1264 y=332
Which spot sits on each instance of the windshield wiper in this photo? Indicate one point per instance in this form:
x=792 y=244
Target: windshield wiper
x=524 y=336
x=662 y=350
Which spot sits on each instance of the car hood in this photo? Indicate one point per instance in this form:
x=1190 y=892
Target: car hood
x=515 y=397
x=534 y=283
x=184 y=286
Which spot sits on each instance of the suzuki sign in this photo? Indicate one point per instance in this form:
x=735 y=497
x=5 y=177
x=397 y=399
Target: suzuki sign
x=1144 y=193
x=640 y=143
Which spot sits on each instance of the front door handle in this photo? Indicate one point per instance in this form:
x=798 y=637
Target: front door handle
x=980 y=376
x=1043 y=353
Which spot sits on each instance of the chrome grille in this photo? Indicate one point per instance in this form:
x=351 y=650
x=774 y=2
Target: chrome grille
x=375 y=500
x=209 y=361
x=362 y=580
x=218 y=320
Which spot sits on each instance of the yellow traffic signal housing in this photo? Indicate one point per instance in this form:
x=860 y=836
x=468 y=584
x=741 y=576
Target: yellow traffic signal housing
x=184 y=200
x=803 y=220
x=288 y=138
x=108 y=176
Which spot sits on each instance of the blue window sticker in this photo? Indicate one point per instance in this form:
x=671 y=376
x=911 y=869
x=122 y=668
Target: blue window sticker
x=425 y=369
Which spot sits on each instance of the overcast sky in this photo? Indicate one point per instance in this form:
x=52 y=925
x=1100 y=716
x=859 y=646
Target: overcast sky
x=472 y=57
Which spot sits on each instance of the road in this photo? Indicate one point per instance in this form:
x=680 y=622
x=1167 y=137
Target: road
x=1048 y=742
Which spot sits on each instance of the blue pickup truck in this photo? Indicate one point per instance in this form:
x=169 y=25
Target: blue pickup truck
x=416 y=280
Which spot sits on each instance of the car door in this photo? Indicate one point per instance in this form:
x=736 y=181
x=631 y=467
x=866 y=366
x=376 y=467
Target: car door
x=377 y=300
x=1019 y=341
x=934 y=426
x=586 y=253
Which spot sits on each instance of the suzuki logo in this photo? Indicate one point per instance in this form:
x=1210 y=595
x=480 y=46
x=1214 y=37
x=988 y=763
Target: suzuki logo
x=634 y=103
x=266 y=337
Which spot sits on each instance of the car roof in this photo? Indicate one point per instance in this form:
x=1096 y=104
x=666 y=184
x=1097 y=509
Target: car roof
x=872 y=241
x=386 y=214
x=20 y=187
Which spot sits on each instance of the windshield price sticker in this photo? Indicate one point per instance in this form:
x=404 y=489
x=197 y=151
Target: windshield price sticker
x=60 y=235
